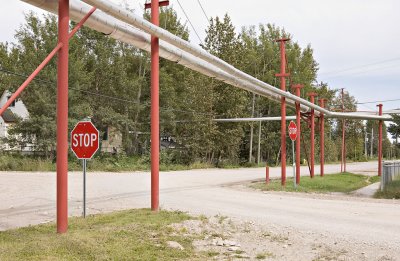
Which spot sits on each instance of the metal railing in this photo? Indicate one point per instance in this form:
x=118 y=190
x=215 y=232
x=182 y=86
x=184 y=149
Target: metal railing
x=390 y=172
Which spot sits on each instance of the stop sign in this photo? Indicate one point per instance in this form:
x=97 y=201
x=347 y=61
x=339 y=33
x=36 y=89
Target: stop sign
x=292 y=131
x=84 y=140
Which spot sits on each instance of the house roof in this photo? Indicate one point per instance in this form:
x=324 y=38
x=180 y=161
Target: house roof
x=9 y=116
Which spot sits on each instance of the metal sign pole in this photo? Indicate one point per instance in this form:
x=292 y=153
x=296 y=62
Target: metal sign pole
x=294 y=165
x=84 y=187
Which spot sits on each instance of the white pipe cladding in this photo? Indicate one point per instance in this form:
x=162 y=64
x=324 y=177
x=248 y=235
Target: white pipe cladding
x=121 y=31
x=212 y=66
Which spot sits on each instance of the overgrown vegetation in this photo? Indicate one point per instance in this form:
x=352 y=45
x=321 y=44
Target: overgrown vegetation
x=392 y=190
x=125 y=235
x=343 y=182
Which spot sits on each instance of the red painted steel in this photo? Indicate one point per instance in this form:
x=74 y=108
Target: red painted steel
x=84 y=140
x=62 y=117
x=30 y=78
x=155 y=116
x=322 y=138
x=162 y=3
x=267 y=174
x=282 y=75
x=380 y=142
x=297 y=88
x=312 y=137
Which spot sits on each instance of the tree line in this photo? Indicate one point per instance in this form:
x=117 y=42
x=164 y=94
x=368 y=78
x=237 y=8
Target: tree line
x=109 y=82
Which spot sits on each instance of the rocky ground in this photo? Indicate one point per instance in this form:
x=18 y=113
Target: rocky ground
x=223 y=238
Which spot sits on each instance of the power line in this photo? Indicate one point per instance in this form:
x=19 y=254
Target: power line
x=378 y=101
x=118 y=99
x=361 y=72
x=360 y=66
x=204 y=12
x=187 y=17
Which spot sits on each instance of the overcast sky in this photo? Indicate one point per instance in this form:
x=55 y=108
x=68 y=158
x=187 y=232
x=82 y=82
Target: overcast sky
x=355 y=42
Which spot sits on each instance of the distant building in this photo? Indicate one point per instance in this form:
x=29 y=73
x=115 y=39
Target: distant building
x=111 y=141
x=15 y=111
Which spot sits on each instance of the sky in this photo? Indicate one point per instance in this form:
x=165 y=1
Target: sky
x=354 y=41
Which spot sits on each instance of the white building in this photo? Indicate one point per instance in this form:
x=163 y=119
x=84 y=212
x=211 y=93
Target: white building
x=16 y=110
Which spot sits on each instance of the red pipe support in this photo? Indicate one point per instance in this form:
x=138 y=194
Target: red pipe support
x=297 y=88
x=62 y=117
x=322 y=137
x=380 y=143
x=312 y=153
x=283 y=76
x=155 y=116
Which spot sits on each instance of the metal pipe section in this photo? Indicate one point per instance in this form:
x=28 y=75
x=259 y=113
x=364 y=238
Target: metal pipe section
x=155 y=111
x=118 y=30
x=312 y=136
x=380 y=143
x=62 y=117
x=288 y=118
x=322 y=138
x=282 y=75
x=139 y=22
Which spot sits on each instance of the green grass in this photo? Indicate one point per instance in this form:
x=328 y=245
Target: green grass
x=392 y=190
x=125 y=235
x=345 y=183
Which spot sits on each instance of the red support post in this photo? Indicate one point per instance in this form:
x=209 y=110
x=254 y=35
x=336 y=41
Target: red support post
x=312 y=153
x=283 y=76
x=267 y=175
x=380 y=143
x=297 y=88
x=155 y=112
x=62 y=117
x=322 y=137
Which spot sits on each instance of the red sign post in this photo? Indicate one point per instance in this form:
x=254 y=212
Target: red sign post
x=84 y=143
x=293 y=136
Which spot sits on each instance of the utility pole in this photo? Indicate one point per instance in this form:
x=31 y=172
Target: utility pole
x=251 y=131
x=259 y=144
x=380 y=142
x=343 y=163
x=365 y=142
x=372 y=142
x=283 y=76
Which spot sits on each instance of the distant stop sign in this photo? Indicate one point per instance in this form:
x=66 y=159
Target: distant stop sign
x=84 y=140
x=292 y=131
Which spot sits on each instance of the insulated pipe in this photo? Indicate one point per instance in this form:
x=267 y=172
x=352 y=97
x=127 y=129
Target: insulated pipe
x=282 y=75
x=380 y=143
x=139 y=22
x=322 y=137
x=312 y=142
x=288 y=118
x=62 y=117
x=123 y=32
x=297 y=88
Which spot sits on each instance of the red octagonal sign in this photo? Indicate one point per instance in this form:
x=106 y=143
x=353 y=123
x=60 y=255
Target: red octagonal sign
x=84 y=140
x=292 y=131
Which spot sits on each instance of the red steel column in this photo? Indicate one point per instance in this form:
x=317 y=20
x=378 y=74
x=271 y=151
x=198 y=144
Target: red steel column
x=155 y=116
x=322 y=137
x=62 y=117
x=380 y=142
x=312 y=156
x=283 y=76
x=297 y=88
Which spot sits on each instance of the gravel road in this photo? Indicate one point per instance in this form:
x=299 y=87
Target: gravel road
x=29 y=198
